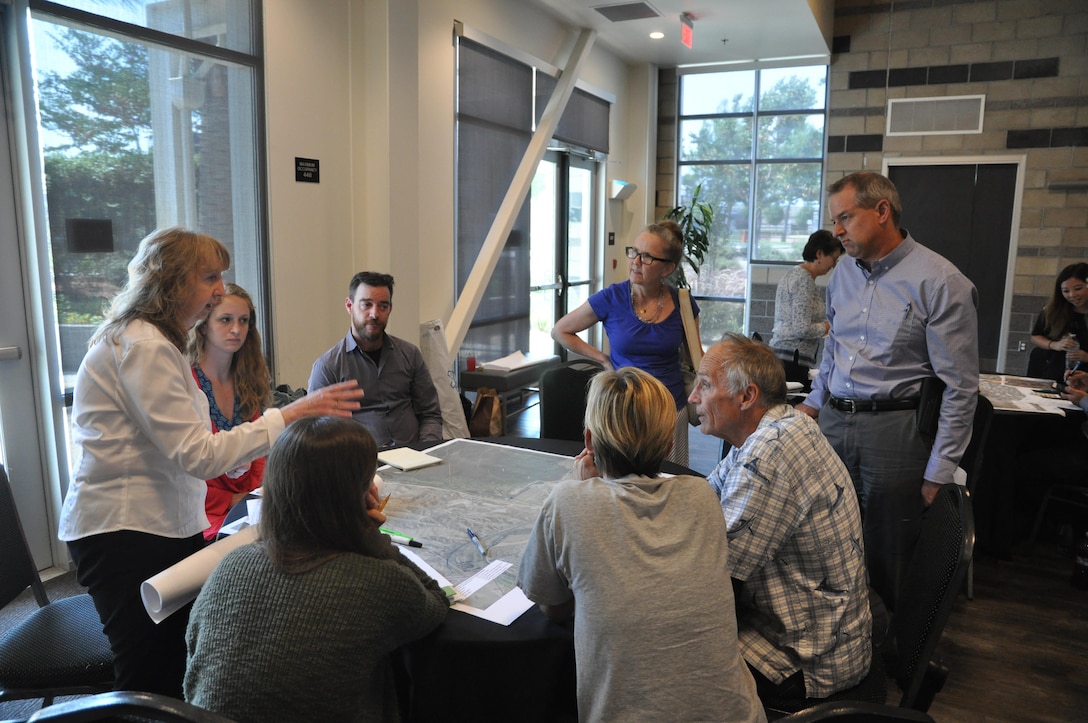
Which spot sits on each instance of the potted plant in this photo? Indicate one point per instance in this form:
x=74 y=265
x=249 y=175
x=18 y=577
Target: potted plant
x=695 y=219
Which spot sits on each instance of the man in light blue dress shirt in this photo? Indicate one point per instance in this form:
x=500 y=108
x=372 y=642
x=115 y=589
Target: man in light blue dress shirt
x=899 y=314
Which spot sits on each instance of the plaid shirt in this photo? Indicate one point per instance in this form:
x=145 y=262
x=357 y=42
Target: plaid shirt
x=795 y=541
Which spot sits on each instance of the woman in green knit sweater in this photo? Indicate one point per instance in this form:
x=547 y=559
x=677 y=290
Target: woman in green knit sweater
x=300 y=625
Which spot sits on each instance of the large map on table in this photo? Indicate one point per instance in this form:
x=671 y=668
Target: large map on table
x=1023 y=394
x=493 y=489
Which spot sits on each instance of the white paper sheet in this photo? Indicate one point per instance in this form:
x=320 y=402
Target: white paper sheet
x=406 y=458
x=503 y=611
x=176 y=586
x=517 y=360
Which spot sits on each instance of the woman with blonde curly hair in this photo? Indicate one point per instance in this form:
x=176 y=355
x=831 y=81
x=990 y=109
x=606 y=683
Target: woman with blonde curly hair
x=229 y=367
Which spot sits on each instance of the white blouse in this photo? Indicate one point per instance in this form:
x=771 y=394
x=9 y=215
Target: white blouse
x=142 y=440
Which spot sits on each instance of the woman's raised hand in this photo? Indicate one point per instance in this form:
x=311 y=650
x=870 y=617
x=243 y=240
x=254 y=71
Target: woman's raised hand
x=336 y=400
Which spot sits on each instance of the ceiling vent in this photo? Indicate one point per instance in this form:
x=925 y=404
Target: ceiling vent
x=627 y=11
x=958 y=114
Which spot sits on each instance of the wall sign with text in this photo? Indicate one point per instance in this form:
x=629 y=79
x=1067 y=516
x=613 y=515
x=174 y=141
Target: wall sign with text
x=307 y=170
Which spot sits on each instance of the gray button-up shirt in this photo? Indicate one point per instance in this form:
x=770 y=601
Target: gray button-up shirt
x=400 y=406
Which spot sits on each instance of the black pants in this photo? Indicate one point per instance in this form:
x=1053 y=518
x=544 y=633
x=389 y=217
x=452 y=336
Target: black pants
x=788 y=695
x=146 y=656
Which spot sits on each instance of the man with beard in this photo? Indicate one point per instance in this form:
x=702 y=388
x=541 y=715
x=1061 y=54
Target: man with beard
x=400 y=406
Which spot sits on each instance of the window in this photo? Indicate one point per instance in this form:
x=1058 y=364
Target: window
x=545 y=262
x=753 y=141
x=148 y=119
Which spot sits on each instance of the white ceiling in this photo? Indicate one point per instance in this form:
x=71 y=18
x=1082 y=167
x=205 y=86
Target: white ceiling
x=751 y=30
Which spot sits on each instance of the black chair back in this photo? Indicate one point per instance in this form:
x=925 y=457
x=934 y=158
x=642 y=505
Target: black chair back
x=857 y=712
x=58 y=649
x=929 y=588
x=126 y=706
x=563 y=399
x=980 y=432
x=17 y=568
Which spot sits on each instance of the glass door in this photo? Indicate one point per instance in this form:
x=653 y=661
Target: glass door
x=563 y=213
x=23 y=444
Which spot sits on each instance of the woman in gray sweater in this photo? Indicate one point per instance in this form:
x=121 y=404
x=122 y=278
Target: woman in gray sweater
x=300 y=625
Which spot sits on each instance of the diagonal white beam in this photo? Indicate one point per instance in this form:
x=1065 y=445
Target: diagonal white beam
x=485 y=264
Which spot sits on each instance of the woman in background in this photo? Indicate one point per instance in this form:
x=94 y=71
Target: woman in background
x=1062 y=319
x=642 y=319
x=300 y=625
x=229 y=367
x=640 y=561
x=142 y=450
x=800 y=314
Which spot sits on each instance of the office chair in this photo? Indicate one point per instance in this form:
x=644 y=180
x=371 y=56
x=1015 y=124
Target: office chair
x=927 y=593
x=972 y=463
x=563 y=399
x=857 y=712
x=125 y=706
x=59 y=649
x=873 y=688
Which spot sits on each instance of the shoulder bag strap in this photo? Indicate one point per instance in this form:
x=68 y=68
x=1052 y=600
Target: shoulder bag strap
x=691 y=334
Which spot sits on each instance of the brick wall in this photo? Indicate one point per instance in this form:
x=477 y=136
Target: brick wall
x=1028 y=57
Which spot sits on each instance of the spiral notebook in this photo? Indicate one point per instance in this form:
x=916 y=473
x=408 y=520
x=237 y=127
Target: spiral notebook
x=405 y=458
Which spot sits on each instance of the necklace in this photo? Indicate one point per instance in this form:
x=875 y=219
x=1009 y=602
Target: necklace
x=641 y=313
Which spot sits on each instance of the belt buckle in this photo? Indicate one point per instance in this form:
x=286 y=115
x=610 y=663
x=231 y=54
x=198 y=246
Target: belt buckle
x=851 y=405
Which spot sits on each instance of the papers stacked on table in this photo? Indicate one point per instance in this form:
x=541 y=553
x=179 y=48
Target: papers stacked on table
x=510 y=362
x=405 y=458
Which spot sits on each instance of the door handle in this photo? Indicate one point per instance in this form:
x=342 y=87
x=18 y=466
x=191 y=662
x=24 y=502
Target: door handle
x=562 y=288
x=10 y=353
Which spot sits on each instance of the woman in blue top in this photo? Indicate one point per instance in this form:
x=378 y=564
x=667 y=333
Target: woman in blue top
x=641 y=317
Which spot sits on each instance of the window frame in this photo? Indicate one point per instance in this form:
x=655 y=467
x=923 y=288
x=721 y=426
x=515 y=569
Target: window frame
x=754 y=160
x=61 y=14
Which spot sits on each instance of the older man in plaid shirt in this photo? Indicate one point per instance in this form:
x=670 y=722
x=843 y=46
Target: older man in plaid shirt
x=795 y=541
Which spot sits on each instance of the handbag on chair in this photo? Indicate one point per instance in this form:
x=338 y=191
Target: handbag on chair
x=691 y=351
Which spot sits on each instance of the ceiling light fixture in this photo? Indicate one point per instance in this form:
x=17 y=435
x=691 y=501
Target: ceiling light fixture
x=657 y=35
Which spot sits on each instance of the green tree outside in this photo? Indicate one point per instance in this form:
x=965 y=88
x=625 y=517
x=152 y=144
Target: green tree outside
x=102 y=167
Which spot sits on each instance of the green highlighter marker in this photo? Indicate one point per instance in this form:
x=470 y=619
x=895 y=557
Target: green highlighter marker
x=401 y=539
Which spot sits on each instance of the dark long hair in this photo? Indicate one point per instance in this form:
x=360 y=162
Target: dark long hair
x=1059 y=312
x=315 y=488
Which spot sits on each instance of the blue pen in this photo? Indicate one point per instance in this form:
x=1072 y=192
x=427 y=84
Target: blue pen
x=476 y=541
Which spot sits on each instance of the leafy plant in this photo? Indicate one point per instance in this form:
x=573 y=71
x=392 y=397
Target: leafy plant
x=695 y=220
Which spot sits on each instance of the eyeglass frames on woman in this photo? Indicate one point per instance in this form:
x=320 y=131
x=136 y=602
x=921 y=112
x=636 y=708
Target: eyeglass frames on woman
x=644 y=258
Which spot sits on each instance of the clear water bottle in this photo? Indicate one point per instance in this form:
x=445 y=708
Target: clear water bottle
x=1070 y=362
x=1079 y=578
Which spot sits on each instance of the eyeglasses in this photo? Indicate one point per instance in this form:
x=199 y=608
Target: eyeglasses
x=644 y=258
x=843 y=219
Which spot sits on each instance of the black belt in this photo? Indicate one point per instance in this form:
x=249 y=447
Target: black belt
x=853 y=406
